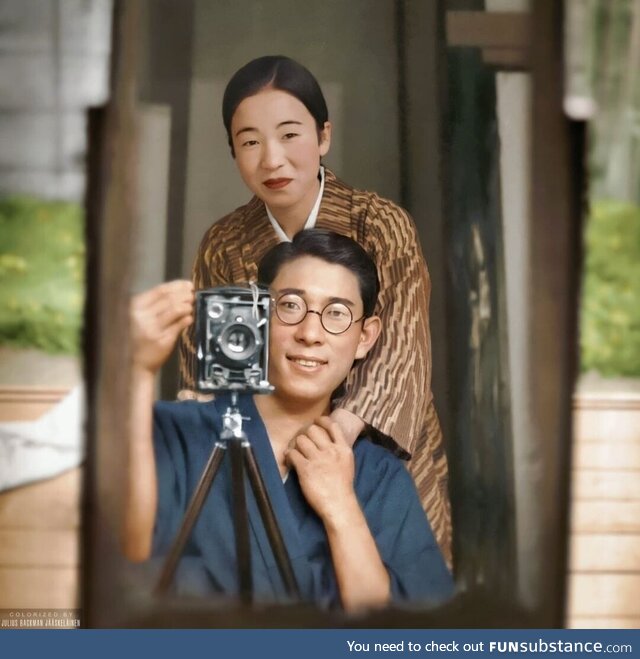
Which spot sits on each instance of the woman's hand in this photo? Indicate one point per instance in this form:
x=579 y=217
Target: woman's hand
x=350 y=424
x=324 y=463
x=157 y=317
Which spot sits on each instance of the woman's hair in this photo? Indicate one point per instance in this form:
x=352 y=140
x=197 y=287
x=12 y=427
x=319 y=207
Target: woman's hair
x=332 y=248
x=274 y=72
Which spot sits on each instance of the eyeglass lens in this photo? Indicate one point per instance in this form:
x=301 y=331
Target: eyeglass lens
x=335 y=317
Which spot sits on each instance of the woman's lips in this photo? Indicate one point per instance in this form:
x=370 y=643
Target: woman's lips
x=277 y=183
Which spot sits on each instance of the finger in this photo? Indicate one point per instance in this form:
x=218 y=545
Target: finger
x=172 y=332
x=178 y=287
x=171 y=313
x=333 y=429
x=172 y=294
x=166 y=297
x=319 y=436
x=305 y=446
x=160 y=315
x=294 y=458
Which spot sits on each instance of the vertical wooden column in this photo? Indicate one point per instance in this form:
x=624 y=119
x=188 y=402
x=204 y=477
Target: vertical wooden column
x=111 y=204
x=557 y=184
x=480 y=446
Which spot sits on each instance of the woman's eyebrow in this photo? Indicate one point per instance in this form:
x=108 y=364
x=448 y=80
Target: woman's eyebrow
x=247 y=129
x=289 y=122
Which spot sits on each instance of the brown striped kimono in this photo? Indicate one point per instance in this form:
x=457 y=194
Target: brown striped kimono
x=391 y=389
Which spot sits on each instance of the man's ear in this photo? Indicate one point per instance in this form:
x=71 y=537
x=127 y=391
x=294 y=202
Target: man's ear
x=369 y=334
x=324 y=139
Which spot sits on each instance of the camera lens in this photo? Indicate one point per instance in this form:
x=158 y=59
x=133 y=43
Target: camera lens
x=216 y=309
x=237 y=342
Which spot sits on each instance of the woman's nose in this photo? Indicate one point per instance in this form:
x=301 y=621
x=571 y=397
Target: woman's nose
x=272 y=155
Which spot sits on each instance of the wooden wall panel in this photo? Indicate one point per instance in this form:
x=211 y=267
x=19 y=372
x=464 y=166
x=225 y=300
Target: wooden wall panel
x=604 y=595
x=39 y=523
x=48 y=504
x=38 y=548
x=605 y=516
x=604 y=565
x=38 y=588
x=28 y=403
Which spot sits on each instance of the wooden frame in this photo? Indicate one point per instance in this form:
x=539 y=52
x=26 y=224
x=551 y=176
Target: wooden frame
x=555 y=207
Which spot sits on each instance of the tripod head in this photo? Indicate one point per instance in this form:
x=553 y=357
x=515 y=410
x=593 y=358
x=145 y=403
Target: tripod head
x=232 y=421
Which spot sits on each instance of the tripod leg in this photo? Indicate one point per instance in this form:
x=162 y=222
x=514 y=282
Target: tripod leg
x=241 y=521
x=191 y=515
x=270 y=523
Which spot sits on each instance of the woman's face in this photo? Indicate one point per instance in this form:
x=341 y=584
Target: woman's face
x=277 y=150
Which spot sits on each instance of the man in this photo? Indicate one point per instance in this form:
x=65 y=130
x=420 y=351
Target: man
x=351 y=518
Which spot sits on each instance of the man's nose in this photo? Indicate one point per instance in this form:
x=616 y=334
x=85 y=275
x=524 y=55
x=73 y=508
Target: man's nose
x=310 y=330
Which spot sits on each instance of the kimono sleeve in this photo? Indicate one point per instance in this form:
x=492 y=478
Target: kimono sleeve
x=210 y=269
x=391 y=389
x=171 y=473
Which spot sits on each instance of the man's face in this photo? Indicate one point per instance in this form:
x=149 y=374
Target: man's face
x=306 y=362
x=278 y=150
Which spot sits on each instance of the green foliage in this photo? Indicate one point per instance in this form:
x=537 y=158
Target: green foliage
x=610 y=314
x=42 y=257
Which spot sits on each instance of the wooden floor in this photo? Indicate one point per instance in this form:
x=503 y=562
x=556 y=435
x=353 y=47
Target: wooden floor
x=604 y=566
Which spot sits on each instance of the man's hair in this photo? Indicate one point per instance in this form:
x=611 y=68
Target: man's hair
x=274 y=72
x=332 y=248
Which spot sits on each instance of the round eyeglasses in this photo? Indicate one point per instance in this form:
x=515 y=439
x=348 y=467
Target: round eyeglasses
x=336 y=317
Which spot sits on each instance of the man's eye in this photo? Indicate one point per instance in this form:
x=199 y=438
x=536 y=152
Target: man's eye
x=290 y=306
x=250 y=143
x=337 y=313
x=289 y=136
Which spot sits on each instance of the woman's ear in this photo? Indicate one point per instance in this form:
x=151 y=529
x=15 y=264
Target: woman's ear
x=369 y=334
x=324 y=139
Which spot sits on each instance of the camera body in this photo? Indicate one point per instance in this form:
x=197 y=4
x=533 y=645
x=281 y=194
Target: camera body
x=232 y=339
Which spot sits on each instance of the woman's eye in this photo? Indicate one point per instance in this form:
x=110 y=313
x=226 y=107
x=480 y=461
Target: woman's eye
x=250 y=143
x=289 y=136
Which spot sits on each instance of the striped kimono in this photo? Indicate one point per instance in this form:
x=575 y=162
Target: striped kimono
x=391 y=389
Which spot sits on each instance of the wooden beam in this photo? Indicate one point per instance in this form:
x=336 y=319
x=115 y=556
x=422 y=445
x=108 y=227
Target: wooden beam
x=482 y=29
x=504 y=37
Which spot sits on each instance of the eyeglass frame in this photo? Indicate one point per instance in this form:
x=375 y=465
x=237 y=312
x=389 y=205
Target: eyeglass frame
x=318 y=313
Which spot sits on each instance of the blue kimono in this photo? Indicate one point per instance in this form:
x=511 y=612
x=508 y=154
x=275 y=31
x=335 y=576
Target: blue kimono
x=184 y=434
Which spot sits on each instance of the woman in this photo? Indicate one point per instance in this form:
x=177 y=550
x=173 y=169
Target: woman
x=278 y=128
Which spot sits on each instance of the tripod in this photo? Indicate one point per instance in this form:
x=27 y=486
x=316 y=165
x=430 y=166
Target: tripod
x=242 y=458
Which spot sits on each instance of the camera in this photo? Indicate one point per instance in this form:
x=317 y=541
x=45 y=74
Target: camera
x=232 y=339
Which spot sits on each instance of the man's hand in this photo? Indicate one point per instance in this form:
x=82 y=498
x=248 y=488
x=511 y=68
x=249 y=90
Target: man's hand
x=350 y=424
x=157 y=317
x=325 y=466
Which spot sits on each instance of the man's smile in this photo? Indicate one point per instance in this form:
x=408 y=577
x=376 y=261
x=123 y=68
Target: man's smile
x=306 y=362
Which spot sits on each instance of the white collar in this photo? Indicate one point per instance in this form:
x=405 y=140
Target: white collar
x=311 y=220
